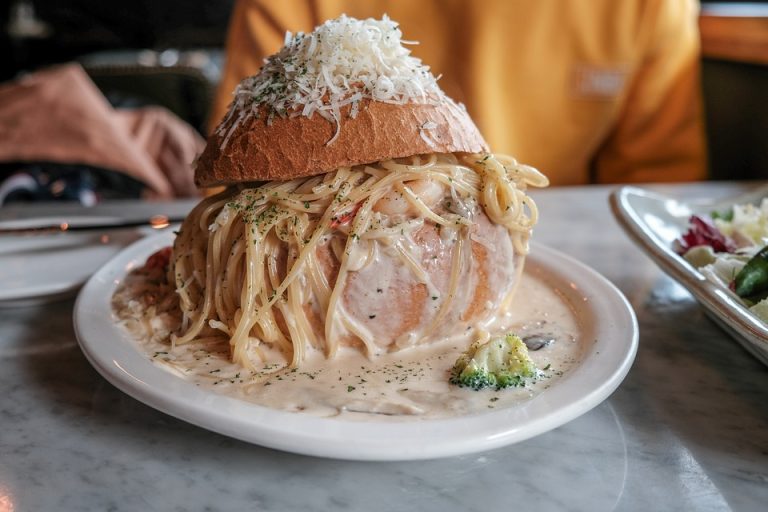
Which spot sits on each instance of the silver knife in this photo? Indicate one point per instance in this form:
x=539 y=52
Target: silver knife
x=156 y=222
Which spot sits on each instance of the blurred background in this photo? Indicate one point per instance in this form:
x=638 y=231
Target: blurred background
x=734 y=38
x=165 y=52
x=171 y=52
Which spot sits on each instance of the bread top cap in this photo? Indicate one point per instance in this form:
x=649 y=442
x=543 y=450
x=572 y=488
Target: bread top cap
x=349 y=93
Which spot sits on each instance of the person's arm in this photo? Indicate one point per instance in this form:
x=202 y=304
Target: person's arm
x=660 y=132
x=256 y=30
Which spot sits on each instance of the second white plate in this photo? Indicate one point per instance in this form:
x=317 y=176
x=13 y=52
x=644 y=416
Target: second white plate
x=42 y=267
x=654 y=221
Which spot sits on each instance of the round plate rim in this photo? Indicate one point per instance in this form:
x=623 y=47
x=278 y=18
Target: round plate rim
x=605 y=364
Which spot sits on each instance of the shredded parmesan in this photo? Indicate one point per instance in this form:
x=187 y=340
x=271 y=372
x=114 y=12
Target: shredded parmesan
x=425 y=135
x=340 y=63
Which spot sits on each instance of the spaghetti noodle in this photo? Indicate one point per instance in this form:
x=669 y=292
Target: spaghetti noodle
x=268 y=267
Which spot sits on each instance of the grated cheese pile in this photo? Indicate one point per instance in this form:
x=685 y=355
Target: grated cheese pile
x=341 y=62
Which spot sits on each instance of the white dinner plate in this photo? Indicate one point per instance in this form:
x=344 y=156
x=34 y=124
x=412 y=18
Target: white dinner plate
x=42 y=267
x=604 y=315
x=654 y=221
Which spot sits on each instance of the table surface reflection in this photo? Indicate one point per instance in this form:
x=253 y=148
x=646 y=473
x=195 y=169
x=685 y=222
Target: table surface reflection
x=687 y=429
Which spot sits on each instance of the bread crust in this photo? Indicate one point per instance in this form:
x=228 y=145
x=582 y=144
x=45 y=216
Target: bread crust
x=294 y=147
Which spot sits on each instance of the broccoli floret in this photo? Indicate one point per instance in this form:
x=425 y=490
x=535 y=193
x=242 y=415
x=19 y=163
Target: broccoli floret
x=500 y=363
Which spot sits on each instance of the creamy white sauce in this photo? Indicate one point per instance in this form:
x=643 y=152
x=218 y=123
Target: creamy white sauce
x=405 y=385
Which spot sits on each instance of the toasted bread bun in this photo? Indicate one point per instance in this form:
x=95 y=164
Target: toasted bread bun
x=294 y=147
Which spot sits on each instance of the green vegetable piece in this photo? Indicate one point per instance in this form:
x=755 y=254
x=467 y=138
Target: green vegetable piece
x=753 y=278
x=500 y=363
x=726 y=215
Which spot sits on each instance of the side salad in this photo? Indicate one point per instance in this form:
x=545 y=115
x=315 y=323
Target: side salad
x=731 y=249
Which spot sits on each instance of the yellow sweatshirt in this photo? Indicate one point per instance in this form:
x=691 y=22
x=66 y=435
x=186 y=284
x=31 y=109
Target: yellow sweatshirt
x=588 y=91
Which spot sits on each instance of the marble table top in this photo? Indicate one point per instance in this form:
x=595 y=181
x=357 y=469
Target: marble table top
x=686 y=430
